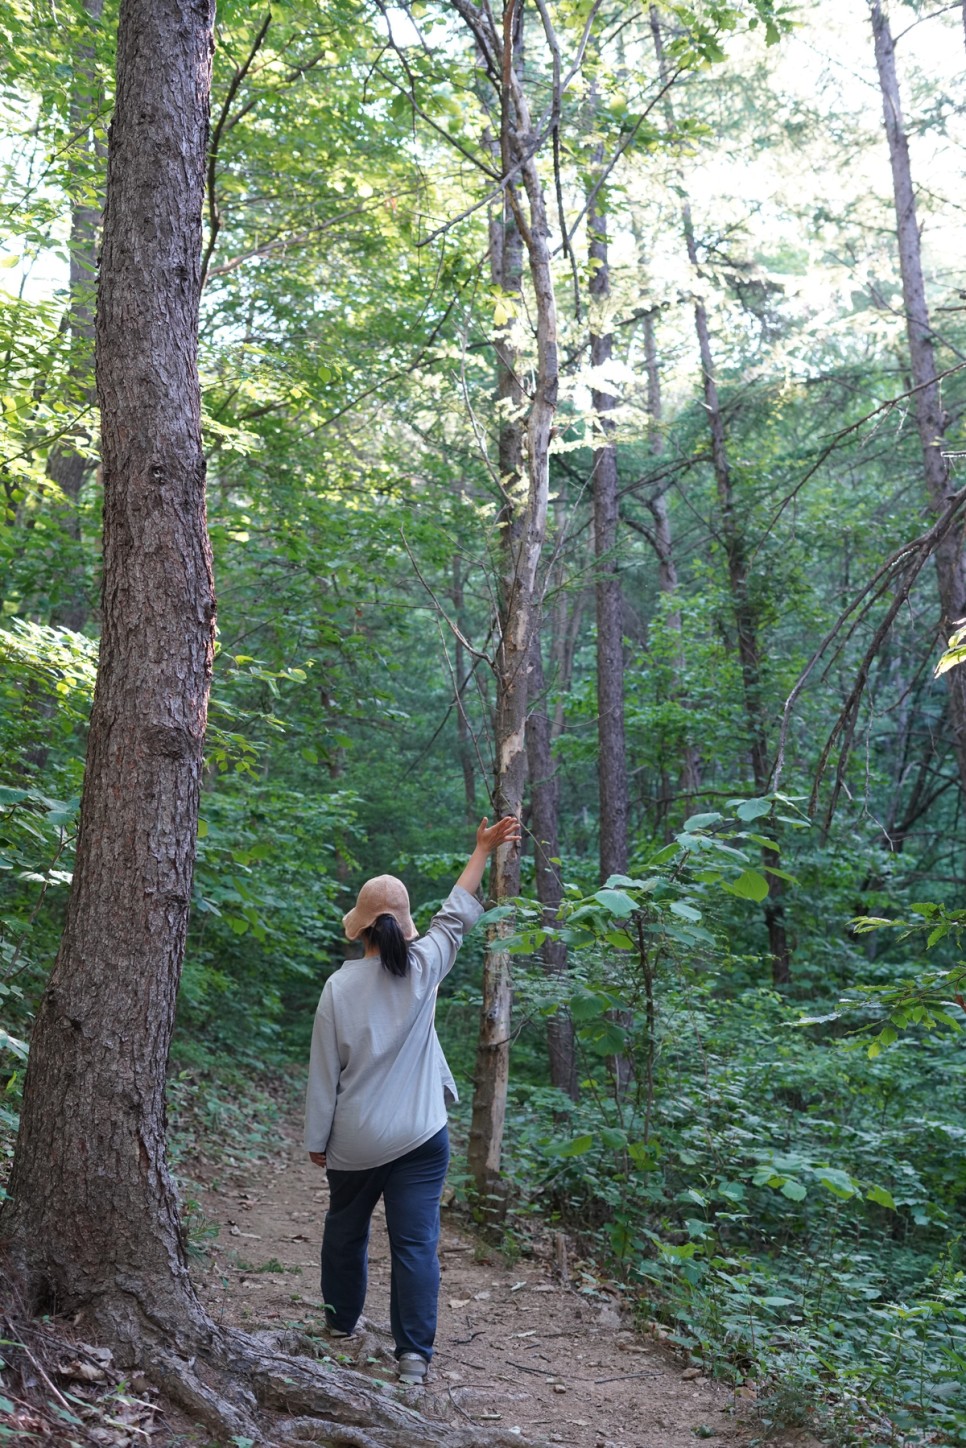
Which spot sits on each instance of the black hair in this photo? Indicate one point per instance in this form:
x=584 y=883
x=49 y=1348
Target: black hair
x=387 y=937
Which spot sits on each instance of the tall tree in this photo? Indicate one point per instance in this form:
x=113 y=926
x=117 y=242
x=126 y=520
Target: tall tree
x=92 y=1215
x=927 y=396
x=662 y=542
x=524 y=485
x=611 y=756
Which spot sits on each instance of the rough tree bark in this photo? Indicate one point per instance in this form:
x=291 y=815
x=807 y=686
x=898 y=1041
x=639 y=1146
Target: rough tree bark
x=927 y=396
x=524 y=485
x=92 y=1210
x=736 y=560
x=91 y=1223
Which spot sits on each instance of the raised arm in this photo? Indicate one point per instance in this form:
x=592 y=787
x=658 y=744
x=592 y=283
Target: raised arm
x=488 y=838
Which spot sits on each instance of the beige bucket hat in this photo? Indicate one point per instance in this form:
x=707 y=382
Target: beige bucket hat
x=382 y=895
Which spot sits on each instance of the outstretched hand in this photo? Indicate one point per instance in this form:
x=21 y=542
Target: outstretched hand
x=505 y=832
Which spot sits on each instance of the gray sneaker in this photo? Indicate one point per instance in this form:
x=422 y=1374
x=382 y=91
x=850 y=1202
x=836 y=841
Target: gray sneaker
x=412 y=1369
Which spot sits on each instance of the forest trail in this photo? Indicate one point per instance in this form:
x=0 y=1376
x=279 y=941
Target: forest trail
x=515 y=1347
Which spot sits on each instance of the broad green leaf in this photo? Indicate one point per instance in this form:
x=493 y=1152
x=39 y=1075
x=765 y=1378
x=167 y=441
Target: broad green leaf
x=836 y=1181
x=750 y=885
x=613 y=1137
x=616 y=901
x=578 y=1146
x=585 y=1005
x=753 y=809
x=701 y=821
x=12 y=1043
x=793 y=1190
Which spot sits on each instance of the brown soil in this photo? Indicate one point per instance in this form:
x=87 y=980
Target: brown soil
x=517 y=1346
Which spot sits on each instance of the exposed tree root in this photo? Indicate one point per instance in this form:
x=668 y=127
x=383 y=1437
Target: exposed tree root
x=236 y=1374
x=239 y=1385
x=222 y=1412
x=299 y=1431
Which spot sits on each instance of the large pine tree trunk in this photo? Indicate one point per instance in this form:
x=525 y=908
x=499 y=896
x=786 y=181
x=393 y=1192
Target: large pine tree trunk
x=92 y=1213
x=927 y=398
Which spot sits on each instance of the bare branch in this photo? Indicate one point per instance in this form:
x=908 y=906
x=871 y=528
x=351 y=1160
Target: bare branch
x=214 y=215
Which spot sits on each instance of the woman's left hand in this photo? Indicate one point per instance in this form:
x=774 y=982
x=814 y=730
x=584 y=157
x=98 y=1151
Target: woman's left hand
x=318 y=1157
x=505 y=832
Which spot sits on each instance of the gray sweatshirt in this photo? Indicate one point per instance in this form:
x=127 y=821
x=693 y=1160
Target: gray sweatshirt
x=378 y=1079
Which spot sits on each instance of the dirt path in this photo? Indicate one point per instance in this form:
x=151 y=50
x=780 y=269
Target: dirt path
x=514 y=1347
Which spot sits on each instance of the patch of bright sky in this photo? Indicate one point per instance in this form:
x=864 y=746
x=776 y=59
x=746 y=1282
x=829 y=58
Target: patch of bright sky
x=828 y=67
x=814 y=213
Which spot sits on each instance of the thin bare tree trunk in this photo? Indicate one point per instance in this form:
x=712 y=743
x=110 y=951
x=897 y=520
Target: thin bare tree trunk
x=611 y=754
x=667 y=574
x=524 y=482
x=927 y=398
x=611 y=745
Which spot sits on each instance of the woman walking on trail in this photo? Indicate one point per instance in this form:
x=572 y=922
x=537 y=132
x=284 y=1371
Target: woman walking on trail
x=375 y=1108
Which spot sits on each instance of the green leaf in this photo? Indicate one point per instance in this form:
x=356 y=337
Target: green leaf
x=499 y=912
x=753 y=809
x=616 y=902
x=12 y=1043
x=644 y=1154
x=750 y=885
x=701 y=821
x=793 y=1190
x=585 y=1005
x=837 y=1182
x=686 y=912
x=880 y=1195
x=613 y=1137
x=577 y=1146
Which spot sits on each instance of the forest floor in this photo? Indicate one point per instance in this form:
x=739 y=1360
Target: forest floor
x=517 y=1345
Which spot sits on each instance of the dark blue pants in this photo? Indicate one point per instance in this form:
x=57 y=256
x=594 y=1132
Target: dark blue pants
x=411 y=1187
